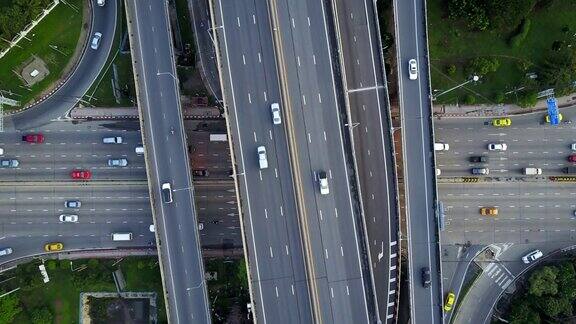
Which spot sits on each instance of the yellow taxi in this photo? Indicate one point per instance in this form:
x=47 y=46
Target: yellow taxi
x=449 y=301
x=489 y=211
x=548 y=118
x=55 y=246
x=501 y=122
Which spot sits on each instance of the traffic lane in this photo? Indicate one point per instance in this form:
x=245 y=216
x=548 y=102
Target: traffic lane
x=322 y=135
x=317 y=95
x=103 y=20
x=76 y=239
x=270 y=245
x=378 y=193
x=274 y=254
x=180 y=258
x=30 y=173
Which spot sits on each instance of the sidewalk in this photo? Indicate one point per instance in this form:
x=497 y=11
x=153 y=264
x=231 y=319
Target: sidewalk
x=497 y=109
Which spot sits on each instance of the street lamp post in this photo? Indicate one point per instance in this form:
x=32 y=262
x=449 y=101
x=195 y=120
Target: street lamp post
x=474 y=78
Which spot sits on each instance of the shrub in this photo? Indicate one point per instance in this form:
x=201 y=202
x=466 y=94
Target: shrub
x=527 y=99
x=451 y=69
x=483 y=65
x=469 y=99
x=51 y=264
x=520 y=34
x=499 y=97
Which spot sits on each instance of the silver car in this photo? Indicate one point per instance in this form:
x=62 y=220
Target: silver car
x=96 y=40
x=9 y=163
x=118 y=162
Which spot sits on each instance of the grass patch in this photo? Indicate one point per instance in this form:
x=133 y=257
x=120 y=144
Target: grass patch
x=62 y=294
x=101 y=93
x=452 y=45
x=61 y=30
x=230 y=290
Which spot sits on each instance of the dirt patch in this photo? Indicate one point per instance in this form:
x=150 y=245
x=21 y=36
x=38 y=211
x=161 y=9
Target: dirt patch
x=57 y=310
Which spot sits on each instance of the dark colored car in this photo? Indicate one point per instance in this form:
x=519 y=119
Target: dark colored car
x=569 y=170
x=33 y=138
x=81 y=174
x=200 y=173
x=426 y=277
x=572 y=158
x=479 y=159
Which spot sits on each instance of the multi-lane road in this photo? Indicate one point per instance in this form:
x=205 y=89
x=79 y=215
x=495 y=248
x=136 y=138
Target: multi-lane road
x=367 y=98
x=418 y=158
x=277 y=274
x=167 y=161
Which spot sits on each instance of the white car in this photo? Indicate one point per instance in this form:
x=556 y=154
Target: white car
x=573 y=146
x=101 y=3
x=497 y=147
x=276 y=119
x=413 y=69
x=5 y=251
x=96 y=40
x=323 y=183
x=118 y=162
x=1 y=151
x=532 y=256
x=68 y=218
x=262 y=158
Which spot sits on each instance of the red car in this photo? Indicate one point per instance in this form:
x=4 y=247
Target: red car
x=81 y=174
x=33 y=138
x=572 y=158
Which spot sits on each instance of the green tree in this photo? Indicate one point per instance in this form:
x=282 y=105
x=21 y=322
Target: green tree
x=554 y=307
x=509 y=13
x=566 y=280
x=469 y=99
x=9 y=307
x=558 y=70
x=42 y=316
x=451 y=69
x=543 y=281
x=522 y=313
x=527 y=99
x=483 y=65
x=499 y=97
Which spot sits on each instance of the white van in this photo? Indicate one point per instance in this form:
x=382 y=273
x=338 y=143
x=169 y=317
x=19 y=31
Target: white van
x=532 y=171
x=122 y=236
x=112 y=140
x=441 y=147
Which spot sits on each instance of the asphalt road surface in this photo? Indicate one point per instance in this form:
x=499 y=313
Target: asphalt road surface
x=371 y=130
x=530 y=144
x=527 y=212
x=410 y=23
x=499 y=275
x=30 y=216
x=91 y=63
x=166 y=152
x=342 y=282
x=69 y=146
x=278 y=279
